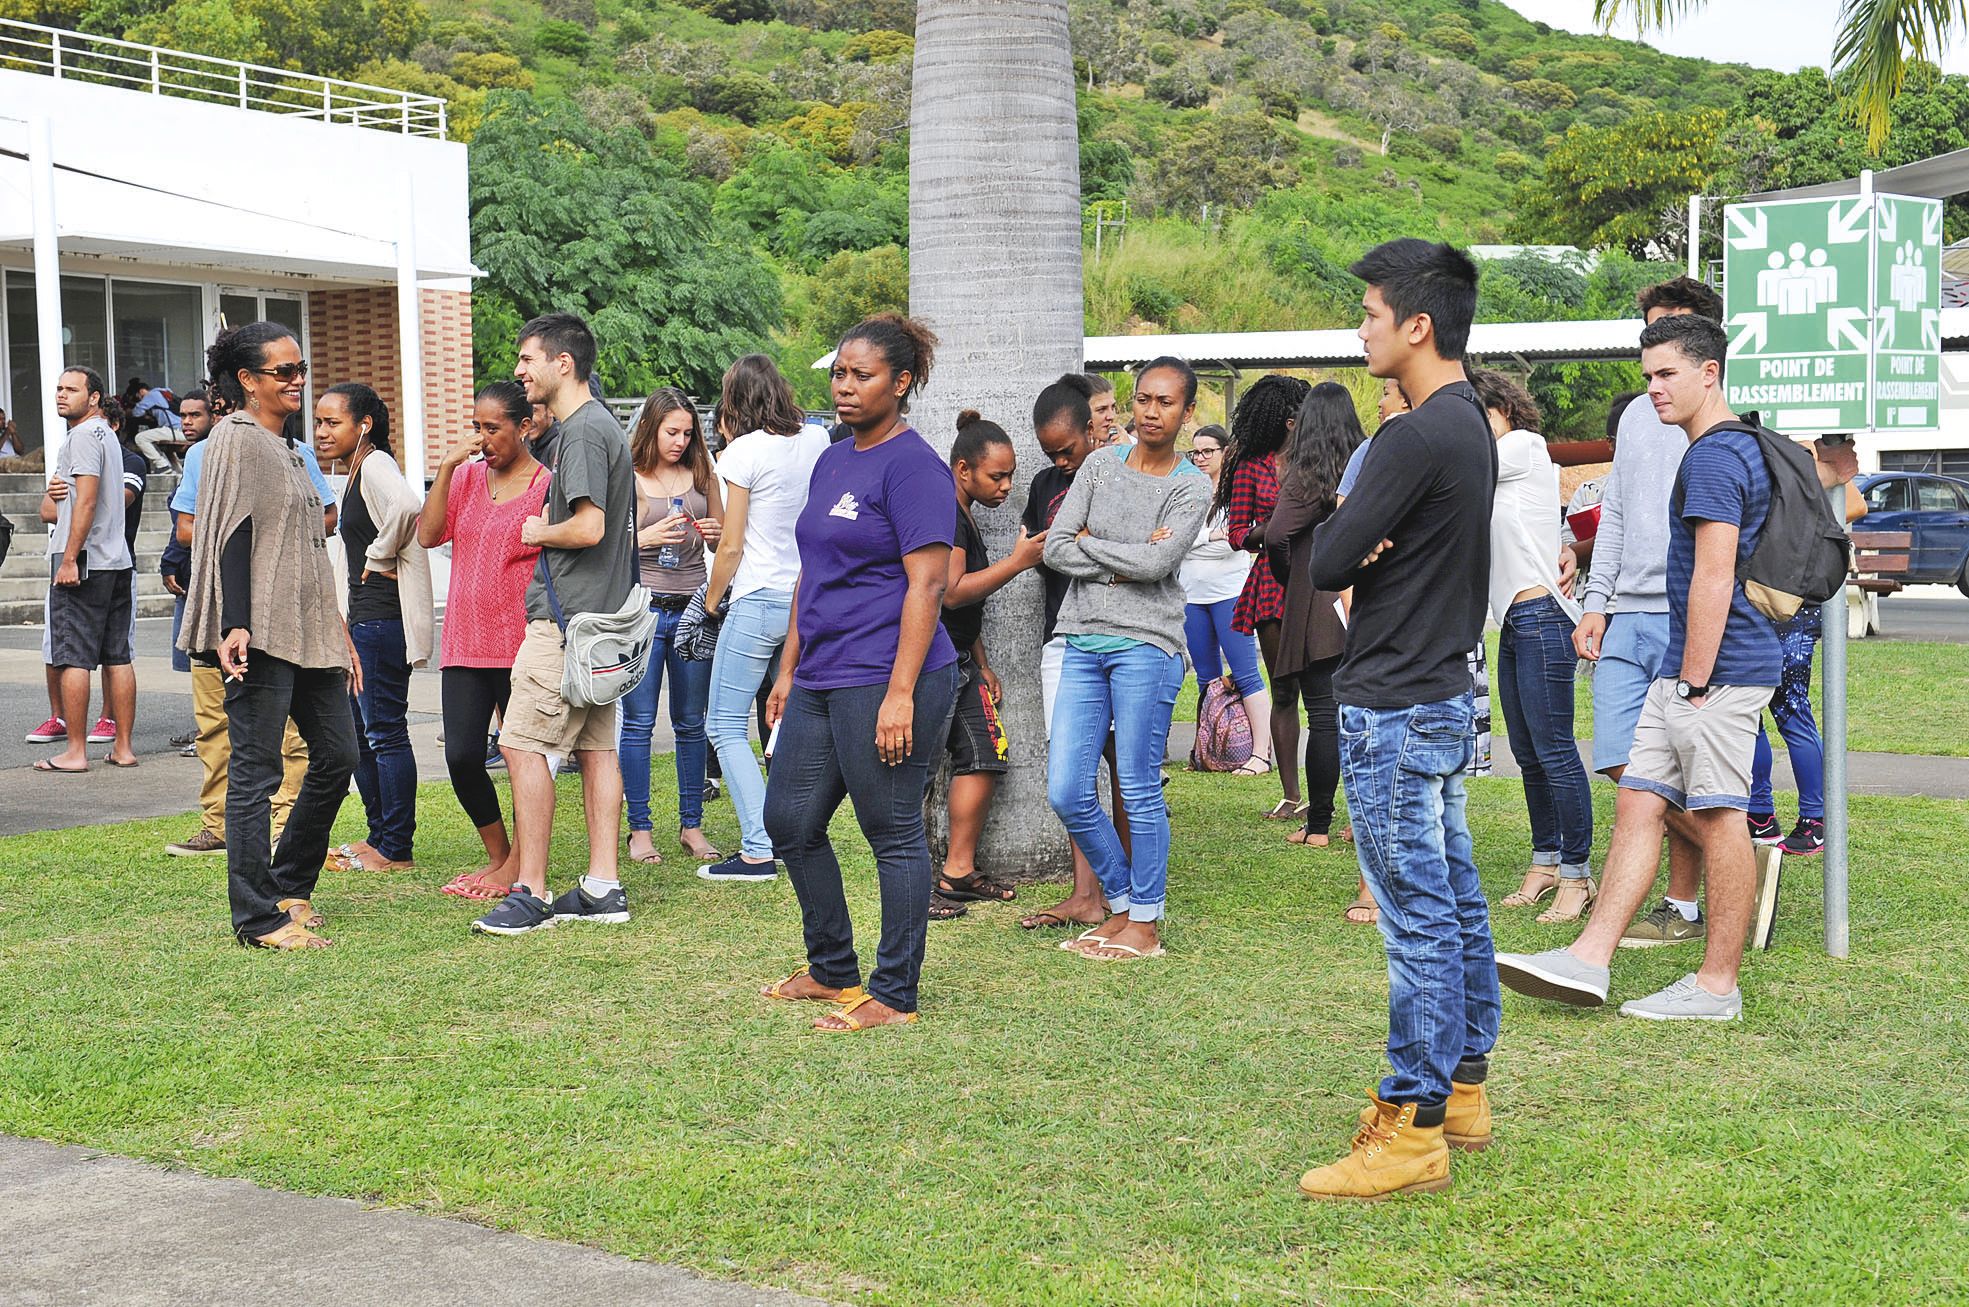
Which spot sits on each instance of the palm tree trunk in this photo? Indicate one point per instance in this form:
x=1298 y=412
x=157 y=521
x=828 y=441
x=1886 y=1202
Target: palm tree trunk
x=994 y=268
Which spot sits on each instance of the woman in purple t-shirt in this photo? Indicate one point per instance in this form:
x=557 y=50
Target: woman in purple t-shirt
x=868 y=678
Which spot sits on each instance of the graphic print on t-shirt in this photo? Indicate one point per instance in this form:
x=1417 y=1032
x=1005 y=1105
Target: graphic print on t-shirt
x=846 y=507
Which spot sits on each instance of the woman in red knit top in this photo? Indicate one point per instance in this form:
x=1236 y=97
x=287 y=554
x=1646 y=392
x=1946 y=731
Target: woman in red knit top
x=1247 y=492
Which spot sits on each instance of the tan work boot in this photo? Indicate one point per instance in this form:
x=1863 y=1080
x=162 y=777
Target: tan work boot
x=1466 y=1117
x=1391 y=1155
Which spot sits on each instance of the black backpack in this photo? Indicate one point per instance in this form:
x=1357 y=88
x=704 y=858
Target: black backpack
x=1803 y=553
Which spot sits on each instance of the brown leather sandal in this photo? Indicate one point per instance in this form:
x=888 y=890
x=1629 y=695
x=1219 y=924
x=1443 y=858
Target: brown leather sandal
x=1524 y=896
x=303 y=913
x=290 y=938
x=1573 y=912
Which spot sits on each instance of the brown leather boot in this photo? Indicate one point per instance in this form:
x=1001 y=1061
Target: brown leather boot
x=1466 y=1117
x=1391 y=1155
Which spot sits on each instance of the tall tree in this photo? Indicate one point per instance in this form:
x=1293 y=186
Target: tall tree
x=994 y=268
x=1876 y=43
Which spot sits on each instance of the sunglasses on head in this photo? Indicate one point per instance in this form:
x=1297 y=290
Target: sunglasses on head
x=284 y=371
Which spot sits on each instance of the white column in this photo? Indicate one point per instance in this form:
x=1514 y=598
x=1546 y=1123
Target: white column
x=47 y=279
x=410 y=341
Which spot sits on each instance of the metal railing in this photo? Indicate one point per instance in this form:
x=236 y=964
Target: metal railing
x=106 y=61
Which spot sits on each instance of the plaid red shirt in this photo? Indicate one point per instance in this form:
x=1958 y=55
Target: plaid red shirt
x=1254 y=493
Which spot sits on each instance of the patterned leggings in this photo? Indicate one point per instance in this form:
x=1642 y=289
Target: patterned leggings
x=1791 y=708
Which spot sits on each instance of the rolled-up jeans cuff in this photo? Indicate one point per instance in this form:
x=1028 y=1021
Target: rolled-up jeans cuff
x=1544 y=859
x=1118 y=904
x=1574 y=871
x=1146 y=911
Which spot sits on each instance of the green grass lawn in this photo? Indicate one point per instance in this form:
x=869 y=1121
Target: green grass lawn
x=1055 y=1130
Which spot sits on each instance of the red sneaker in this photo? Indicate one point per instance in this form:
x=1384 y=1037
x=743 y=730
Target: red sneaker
x=48 y=732
x=103 y=732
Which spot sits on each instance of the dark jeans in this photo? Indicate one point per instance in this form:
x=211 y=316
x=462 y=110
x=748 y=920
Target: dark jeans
x=469 y=696
x=826 y=753
x=1536 y=664
x=257 y=709
x=386 y=769
x=1322 y=742
x=1404 y=769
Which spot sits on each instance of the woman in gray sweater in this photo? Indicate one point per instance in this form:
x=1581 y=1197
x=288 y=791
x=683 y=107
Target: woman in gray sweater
x=1121 y=534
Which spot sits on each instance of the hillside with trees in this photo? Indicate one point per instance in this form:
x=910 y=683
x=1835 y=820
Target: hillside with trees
x=732 y=174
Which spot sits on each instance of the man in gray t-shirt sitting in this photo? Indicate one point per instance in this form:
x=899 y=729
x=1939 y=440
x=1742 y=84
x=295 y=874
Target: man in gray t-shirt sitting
x=89 y=593
x=585 y=534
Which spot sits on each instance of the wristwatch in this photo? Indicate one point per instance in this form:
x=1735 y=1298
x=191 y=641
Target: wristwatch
x=1683 y=690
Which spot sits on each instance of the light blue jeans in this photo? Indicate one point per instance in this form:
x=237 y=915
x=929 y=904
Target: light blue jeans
x=748 y=657
x=1132 y=691
x=689 y=683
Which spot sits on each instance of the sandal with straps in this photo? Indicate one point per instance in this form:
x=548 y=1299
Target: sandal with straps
x=975 y=888
x=289 y=938
x=850 y=1026
x=1263 y=765
x=303 y=913
x=852 y=994
x=1524 y=897
x=472 y=885
x=1554 y=915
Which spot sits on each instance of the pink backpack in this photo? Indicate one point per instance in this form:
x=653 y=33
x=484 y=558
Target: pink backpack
x=1223 y=731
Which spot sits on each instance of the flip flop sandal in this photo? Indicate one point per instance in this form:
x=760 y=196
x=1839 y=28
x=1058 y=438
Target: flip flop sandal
x=303 y=913
x=1073 y=945
x=1129 y=953
x=1284 y=810
x=1264 y=766
x=974 y=888
x=850 y=1026
x=114 y=763
x=47 y=768
x=852 y=994
x=471 y=885
x=1052 y=921
x=1361 y=905
x=288 y=939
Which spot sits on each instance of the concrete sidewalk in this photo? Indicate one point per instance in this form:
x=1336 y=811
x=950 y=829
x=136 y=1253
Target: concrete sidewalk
x=86 y=1227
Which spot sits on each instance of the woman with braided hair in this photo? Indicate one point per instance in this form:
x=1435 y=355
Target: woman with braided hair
x=1247 y=492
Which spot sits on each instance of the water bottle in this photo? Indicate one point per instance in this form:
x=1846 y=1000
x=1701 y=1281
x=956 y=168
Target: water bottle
x=672 y=555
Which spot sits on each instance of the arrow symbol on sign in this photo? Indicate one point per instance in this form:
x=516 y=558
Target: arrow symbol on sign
x=1883 y=327
x=1843 y=323
x=1890 y=220
x=1845 y=225
x=1755 y=335
x=1931 y=225
x=1931 y=328
x=1750 y=228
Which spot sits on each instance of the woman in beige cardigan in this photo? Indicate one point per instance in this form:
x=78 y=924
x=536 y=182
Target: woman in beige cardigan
x=387 y=595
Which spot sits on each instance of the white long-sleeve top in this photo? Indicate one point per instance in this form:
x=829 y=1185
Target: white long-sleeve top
x=1524 y=523
x=1213 y=571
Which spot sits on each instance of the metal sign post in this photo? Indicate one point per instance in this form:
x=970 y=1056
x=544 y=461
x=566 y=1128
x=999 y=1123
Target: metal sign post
x=1834 y=313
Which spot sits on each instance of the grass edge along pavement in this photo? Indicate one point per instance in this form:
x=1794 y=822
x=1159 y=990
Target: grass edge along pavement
x=1055 y=1130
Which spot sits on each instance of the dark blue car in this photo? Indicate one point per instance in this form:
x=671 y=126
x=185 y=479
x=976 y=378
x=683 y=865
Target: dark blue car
x=1934 y=510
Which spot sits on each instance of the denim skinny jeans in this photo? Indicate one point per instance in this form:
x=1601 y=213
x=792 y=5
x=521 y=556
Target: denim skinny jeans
x=690 y=688
x=1791 y=708
x=1404 y=773
x=747 y=658
x=826 y=753
x=386 y=769
x=1536 y=664
x=1133 y=691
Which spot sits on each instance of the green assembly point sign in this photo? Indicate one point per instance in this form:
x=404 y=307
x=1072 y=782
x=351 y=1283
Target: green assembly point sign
x=1825 y=301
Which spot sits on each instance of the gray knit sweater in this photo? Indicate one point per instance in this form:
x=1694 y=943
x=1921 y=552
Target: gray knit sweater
x=1122 y=584
x=1630 y=553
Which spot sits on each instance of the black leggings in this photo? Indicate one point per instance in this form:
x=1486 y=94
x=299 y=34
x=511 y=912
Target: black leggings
x=470 y=695
x=1322 y=743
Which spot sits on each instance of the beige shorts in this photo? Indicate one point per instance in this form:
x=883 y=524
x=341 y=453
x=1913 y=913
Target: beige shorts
x=1697 y=757
x=537 y=718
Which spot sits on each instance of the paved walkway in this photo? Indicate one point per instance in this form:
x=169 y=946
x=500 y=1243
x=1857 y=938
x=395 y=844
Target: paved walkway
x=86 y=1227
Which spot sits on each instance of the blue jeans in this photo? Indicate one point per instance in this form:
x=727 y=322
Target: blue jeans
x=748 y=657
x=386 y=769
x=1132 y=691
x=180 y=660
x=826 y=753
x=690 y=686
x=1207 y=631
x=1535 y=669
x=1403 y=768
x=1791 y=708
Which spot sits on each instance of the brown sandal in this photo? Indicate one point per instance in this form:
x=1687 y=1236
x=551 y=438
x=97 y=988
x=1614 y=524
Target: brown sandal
x=1524 y=897
x=1554 y=915
x=303 y=913
x=778 y=990
x=290 y=938
x=1370 y=910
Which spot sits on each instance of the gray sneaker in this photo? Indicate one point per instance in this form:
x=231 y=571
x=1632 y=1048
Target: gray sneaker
x=1554 y=974
x=1664 y=925
x=1685 y=1000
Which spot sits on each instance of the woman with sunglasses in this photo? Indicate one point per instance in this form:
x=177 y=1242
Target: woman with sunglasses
x=1213 y=577
x=679 y=513
x=262 y=605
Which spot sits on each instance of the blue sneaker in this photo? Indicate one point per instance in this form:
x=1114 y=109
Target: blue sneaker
x=611 y=909
x=737 y=868
x=516 y=914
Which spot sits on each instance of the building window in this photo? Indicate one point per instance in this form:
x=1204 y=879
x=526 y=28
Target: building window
x=1942 y=462
x=85 y=341
x=159 y=334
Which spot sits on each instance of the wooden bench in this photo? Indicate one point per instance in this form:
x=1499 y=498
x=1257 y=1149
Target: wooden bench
x=1878 y=559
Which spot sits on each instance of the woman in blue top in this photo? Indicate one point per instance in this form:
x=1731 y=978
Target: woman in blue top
x=868 y=678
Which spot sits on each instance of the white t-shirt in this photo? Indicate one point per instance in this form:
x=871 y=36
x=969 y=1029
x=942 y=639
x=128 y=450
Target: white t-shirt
x=774 y=471
x=1213 y=571
x=1524 y=523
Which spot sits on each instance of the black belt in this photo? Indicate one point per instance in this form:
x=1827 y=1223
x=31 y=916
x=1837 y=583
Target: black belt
x=669 y=603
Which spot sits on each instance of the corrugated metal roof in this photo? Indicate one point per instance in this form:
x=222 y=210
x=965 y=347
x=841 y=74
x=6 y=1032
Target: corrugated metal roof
x=1938 y=178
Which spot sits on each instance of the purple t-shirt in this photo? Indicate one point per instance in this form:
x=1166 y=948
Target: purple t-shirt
x=865 y=510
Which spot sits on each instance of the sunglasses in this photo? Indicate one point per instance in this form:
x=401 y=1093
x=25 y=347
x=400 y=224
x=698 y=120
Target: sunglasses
x=284 y=372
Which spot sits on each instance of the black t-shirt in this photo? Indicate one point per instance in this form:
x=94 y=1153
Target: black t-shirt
x=1049 y=487
x=1427 y=485
x=374 y=600
x=135 y=468
x=964 y=625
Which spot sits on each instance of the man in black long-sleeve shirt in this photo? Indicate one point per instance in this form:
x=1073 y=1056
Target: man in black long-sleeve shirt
x=1413 y=540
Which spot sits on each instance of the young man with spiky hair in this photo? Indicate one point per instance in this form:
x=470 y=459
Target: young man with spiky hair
x=1694 y=740
x=1413 y=540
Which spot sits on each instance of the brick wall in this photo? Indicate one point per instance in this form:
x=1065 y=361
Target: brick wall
x=353 y=337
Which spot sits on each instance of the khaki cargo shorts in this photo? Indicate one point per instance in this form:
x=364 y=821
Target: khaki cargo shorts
x=537 y=718
x=1696 y=757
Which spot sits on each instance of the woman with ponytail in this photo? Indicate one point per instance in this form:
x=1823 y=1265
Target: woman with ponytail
x=868 y=679
x=388 y=604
